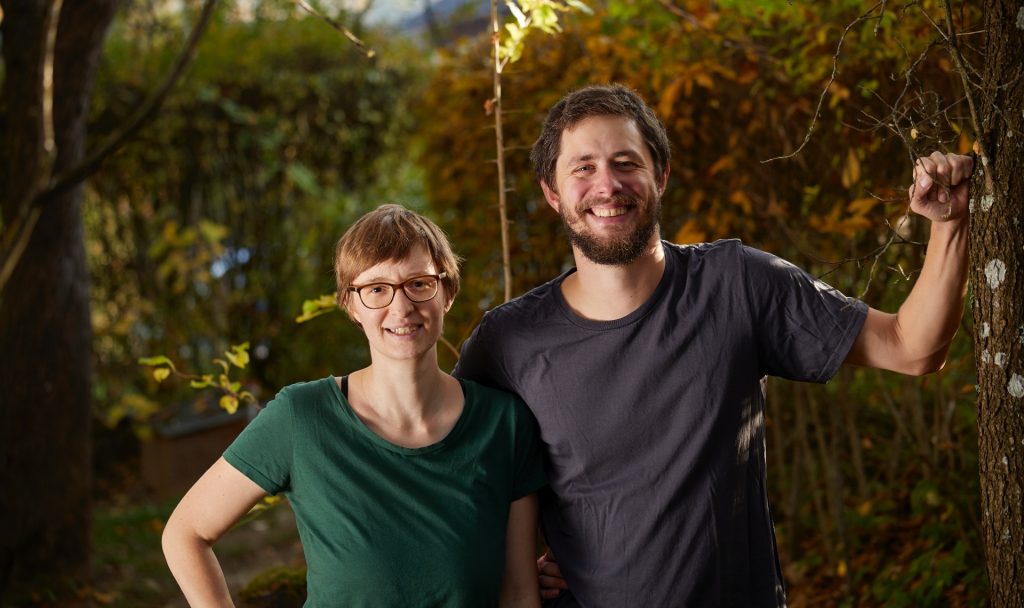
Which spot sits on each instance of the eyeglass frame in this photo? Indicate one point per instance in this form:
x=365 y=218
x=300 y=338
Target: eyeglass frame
x=396 y=286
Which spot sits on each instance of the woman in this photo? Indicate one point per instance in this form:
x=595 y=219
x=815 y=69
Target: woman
x=409 y=487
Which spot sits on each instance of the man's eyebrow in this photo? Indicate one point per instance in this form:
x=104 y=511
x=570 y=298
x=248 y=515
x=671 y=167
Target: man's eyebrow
x=633 y=154
x=580 y=158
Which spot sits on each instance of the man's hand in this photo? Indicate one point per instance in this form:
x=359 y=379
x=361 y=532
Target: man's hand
x=939 y=191
x=550 y=577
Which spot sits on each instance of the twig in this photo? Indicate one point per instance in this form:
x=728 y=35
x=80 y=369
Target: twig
x=341 y=28
x=832 y=78
x=954 y=50
x=499 y=140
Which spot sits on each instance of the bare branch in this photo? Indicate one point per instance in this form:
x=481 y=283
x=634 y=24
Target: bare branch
x=341 y=28
x=835 y=70
x=958 y=58
x=18 y=232
x=145 y=113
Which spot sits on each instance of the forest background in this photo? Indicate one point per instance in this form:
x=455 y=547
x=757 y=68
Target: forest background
x=216 y=223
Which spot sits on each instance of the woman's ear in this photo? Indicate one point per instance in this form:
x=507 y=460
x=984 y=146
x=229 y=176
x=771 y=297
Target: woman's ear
x=350 y=309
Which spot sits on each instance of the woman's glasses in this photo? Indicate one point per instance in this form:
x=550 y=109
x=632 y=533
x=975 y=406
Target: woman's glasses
x=417 y=289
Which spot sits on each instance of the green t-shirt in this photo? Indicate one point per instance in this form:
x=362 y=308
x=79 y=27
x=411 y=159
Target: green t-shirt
x=384 y=525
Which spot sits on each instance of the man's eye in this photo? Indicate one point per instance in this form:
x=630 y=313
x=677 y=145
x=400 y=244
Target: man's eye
x=583 y=169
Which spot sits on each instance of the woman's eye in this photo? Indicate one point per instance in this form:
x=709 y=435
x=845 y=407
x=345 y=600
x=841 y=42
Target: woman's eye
x=375 y=289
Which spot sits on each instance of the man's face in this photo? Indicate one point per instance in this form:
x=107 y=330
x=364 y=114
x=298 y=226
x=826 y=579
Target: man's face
x=607 y=192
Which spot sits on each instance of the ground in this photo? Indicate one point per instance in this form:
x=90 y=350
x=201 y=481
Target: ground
x=129 y=570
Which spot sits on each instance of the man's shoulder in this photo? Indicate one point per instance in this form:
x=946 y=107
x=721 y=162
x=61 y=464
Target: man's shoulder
x=720 y=255
x=527 y=306
x=719 y=247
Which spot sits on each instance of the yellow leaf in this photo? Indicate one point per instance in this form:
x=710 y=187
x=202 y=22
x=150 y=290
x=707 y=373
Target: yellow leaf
x=851 y=170
x=726 y=162
x=667 y=103
x=841 y=568
x=237 y=358
x=862 y=206
x=739 y=197
x=690 y=233
x=161 y=373
x=864 y=509
x=229 y=403
x=913 y=134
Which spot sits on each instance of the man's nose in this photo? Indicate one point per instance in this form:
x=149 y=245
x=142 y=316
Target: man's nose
x=606 y=181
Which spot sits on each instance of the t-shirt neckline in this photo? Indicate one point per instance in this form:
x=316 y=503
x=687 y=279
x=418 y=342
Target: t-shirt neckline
x=632 y=317
x=360 y=426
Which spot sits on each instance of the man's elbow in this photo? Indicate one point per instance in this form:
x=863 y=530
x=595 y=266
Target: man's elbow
x=922 y=366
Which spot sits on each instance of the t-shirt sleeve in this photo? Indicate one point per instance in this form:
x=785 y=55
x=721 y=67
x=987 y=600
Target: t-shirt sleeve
x=529 y=463
x=479 y=358
x=263 y=450
x=804 y=327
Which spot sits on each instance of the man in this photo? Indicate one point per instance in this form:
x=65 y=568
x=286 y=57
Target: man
x=644 y=364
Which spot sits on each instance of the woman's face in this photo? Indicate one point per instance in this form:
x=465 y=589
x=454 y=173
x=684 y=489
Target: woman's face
x=403 y=329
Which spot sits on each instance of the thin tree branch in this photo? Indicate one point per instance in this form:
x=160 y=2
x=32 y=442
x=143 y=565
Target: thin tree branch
x=499 y=140
x=341 y=28
x=18 y=233
x=958 y=58
x=831 y=79
x=145 y=113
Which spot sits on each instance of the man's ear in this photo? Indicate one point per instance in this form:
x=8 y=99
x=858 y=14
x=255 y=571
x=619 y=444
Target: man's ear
x=663 y=182
x=550 y=195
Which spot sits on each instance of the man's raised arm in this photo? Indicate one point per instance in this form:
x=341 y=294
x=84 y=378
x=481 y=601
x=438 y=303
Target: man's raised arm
x=916 y=339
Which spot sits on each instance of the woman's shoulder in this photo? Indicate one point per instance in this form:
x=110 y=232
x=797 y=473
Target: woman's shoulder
x=305 y=393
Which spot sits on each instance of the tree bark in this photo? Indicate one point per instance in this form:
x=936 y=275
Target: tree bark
x=45 y=325
x=997 y=259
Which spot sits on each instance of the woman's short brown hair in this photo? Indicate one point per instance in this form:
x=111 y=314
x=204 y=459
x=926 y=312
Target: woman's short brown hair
x=391 y=232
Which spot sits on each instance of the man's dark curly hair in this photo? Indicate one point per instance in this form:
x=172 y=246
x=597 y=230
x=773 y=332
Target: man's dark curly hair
x=597 y=100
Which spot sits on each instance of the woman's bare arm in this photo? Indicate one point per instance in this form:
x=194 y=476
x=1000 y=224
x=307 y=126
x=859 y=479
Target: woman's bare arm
x=218 y=500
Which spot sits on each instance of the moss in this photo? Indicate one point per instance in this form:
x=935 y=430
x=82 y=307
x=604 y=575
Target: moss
x=280 y=587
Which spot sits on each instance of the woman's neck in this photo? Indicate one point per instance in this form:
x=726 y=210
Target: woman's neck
x=409 y=405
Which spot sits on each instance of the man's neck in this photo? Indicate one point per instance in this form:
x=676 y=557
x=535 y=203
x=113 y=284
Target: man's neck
x=602 y=292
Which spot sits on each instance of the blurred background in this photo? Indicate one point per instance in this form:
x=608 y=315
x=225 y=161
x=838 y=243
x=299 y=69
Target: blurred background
x=209 y=230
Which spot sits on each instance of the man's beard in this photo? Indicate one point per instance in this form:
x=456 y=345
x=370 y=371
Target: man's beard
x=619 y=250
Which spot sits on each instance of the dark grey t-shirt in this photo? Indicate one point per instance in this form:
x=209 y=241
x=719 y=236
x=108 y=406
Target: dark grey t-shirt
x=654 y=423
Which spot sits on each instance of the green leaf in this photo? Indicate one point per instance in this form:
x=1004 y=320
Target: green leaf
x=312 y=309
x=517 y=13
x=157 y=360
x=302 y=177
x=576 y=4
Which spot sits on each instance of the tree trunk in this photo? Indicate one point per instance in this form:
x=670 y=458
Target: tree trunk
x=997 y=260
x=45 y=326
